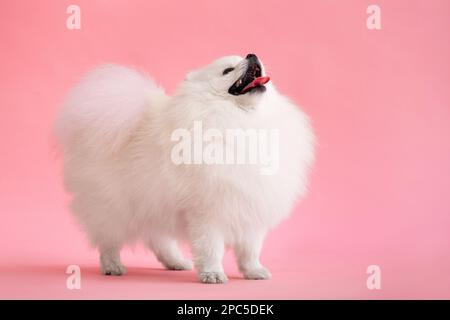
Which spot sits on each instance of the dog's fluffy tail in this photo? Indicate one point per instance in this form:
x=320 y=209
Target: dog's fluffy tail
x=104 y=109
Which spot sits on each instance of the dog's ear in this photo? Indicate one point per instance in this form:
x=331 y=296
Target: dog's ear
x=191 y=76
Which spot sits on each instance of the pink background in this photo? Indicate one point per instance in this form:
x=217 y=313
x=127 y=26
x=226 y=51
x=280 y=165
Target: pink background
x=380 y=104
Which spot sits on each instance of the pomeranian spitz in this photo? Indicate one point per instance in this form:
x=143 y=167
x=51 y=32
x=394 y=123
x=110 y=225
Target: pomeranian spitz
x=145 y=166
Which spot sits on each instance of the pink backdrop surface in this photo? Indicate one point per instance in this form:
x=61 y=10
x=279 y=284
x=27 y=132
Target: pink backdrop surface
x=380 y=105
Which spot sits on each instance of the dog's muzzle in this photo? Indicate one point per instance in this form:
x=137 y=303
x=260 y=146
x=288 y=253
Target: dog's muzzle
x=252 y=80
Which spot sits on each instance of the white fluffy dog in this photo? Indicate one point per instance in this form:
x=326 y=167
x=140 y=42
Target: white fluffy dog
x=118 y=134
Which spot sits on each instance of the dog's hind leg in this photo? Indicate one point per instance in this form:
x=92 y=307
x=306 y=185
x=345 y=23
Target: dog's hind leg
x=168 y=253
x=104 y=233
x=110 y=263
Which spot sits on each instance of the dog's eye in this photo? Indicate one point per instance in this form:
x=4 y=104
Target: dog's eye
x=227 y=70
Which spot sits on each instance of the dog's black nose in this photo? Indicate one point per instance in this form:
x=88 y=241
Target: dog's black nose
x=251 y=56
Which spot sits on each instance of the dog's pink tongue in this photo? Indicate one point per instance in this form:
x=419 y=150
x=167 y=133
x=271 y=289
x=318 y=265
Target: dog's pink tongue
x=257 y=82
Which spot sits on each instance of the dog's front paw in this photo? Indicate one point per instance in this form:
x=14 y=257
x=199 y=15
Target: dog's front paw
x=213 y=277
x=112 y=268
x=259 y=273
